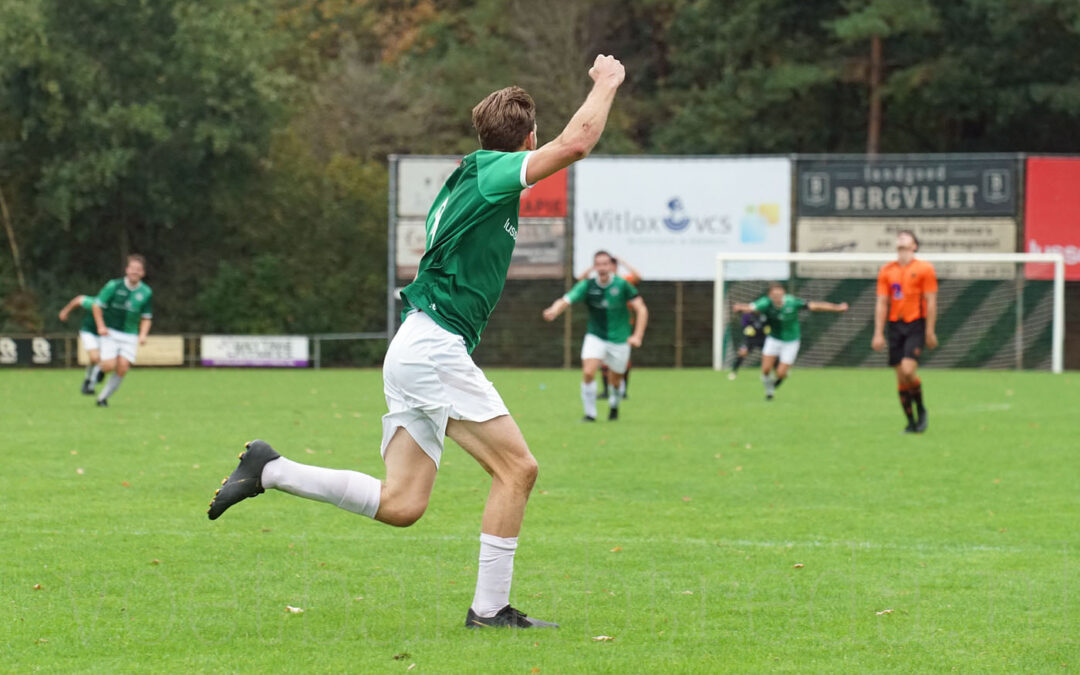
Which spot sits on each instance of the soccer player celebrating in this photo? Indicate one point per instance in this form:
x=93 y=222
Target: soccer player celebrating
x=432 y=386
x=754 y=330
x=608 y=339
x=781 y=313
x=89 y=338
x=907 y=295
x=122 y=314
x=634 y=278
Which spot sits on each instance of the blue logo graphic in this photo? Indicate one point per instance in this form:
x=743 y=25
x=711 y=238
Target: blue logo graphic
x=677 y=220
x=896 y=292
x=753 y=227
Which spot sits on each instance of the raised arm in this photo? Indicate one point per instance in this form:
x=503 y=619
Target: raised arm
x=555 y=309
x=630 y=268
x=75 y=302
x=584 y=129
x=641 y=313
x=816 y=306
x=586 y=273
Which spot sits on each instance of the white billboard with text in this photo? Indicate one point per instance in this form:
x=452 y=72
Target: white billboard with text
x=669 y=217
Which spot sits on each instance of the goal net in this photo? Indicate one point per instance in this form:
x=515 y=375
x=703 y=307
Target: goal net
x=994 y=310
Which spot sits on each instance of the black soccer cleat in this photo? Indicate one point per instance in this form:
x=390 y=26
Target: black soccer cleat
x=923 y=423
x=102 y=403
x=588 y=418
x=769 y=396
x=613 y=414
x=507 y=617
x=911 y=428
x=87 y=388
x=245 y=480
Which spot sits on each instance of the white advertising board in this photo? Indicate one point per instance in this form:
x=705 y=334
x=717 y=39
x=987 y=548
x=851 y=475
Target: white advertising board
x=419 y=181
x=281 y=351
x=669 y=217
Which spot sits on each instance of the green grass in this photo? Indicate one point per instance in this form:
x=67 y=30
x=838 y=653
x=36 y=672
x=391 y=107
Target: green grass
x=678 y=530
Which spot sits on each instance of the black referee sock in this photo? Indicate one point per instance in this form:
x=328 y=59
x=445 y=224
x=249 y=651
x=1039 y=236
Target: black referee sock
x=779 y=381
x=738 y=363
x=916 y=396
x=905 y=403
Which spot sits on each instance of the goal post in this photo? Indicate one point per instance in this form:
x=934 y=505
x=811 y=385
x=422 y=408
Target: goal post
x=1001 y=310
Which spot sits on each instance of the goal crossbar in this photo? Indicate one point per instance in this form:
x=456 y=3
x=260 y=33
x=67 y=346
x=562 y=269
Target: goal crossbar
x=720 y=309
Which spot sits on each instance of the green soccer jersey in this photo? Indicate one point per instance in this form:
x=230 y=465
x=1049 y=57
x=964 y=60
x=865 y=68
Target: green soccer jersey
x=125 y=307
x=783 y=321
x=471 y=231
x=88 y=324
x=609 y=317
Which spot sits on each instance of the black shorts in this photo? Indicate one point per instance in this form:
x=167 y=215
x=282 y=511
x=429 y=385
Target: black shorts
x=752 y=342
x=906 y=340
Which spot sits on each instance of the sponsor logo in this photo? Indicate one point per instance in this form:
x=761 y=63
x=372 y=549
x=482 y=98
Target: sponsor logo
x=1071 y=253
x=677 y=220
x=510 y=229
x=897 y=294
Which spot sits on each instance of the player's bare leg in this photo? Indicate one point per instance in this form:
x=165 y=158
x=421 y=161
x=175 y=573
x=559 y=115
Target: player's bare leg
x=781 y=373
x=499 y=447
x=767 y=365
x=410 y=477
x=589 y=368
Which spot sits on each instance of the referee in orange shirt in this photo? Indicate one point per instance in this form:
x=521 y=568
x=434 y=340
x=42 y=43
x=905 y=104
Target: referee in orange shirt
x=907 y=295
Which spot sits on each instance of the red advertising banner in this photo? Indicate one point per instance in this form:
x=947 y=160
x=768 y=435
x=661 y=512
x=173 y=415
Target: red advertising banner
x=1052 y=213
x=546 y=199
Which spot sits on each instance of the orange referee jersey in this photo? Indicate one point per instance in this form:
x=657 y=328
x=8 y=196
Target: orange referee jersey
x=907 y=288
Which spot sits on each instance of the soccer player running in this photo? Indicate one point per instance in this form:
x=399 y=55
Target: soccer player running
x=634 y=278
x=608 y=338
x=754 y=330
x=88 y=337
x=907 y=296
x=781 y=313
x=123 y=312
x=433 y=389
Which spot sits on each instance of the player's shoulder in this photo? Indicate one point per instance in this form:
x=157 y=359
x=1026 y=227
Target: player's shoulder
x=924 y=265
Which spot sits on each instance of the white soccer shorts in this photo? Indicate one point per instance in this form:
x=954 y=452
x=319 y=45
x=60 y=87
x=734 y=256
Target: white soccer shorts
x=615 y=355
x=429 y=378
x=787 y=350
x=90 y=341
x=118 y=343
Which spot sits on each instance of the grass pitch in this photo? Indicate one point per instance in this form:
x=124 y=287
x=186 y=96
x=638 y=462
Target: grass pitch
x=705 y=531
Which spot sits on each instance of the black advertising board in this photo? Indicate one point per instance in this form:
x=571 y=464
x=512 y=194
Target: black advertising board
x=38 y=351
x=885 y=187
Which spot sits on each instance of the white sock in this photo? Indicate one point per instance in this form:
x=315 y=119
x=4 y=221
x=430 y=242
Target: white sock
x=95 y=370
x=494 y=574
x=588 y=397
x=349 y=490
x=111 y=386
x=613 y=397
x=622 y=388
x=89 y=371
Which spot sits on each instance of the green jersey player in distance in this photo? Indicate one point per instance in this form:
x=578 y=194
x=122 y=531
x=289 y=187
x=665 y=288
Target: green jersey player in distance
x=781 y=314
x=88 y=337
x=608 y=338
x=123 y=312
x=433 y=388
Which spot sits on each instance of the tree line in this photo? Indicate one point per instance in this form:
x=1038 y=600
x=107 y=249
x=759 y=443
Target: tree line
x=241 y=145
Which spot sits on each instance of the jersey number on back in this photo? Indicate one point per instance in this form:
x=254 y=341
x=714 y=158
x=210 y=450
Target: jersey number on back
x=435 y=222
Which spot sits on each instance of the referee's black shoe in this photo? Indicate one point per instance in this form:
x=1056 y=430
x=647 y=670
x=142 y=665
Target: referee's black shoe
x=911 y=428
x=924 y=421
x=245 y=480
x=613 y=414
x=507 y=617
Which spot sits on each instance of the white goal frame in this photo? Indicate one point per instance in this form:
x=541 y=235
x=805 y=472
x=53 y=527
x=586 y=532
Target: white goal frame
x=720 y=309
